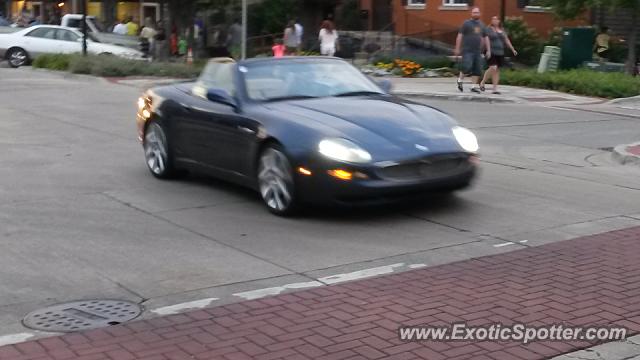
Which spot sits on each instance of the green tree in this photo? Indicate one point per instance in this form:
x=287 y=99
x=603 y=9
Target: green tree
x=569 y=9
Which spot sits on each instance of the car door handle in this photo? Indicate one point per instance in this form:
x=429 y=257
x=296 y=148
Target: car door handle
x=246 y=129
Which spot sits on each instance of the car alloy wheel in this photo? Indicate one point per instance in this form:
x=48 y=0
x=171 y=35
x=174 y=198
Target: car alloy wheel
x=275 y=180
x=18 y=57
x=156 y=151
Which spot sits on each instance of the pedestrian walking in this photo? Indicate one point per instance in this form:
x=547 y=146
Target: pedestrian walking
x=173 y=41
x=601 y=46
x=290 y=38
x=472 y=36
x=328 y=38
x=132 y=27
x=299 y=34
x=499 y=40
x=279 y=49
x=234 y=39
x=120 y=28
x=147 y=37
x=160 y=43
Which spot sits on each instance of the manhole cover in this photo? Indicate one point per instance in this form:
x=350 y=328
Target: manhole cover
x=82 y=315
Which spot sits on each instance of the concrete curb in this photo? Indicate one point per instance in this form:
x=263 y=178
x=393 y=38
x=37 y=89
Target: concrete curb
x=623 y=156
x=461 y=97
x=634 y=99
x=68 y=75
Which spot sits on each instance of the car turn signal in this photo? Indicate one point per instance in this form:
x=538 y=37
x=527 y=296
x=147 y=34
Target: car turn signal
x=341 y=174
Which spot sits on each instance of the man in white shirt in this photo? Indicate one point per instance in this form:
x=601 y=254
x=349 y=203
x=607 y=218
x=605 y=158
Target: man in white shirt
x=299 y=32
x=121 y=28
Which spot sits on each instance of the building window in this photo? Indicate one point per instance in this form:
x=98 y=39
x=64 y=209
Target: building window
x=455 y=2
x=533 y=5
x=416 y=4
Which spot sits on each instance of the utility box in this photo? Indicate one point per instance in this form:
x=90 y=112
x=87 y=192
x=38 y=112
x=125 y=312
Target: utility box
x=577 y=46
x=549 y=60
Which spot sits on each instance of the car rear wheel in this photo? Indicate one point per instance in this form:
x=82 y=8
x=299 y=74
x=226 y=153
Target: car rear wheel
x=157 y=152
x=17 y=57
x=275 y=181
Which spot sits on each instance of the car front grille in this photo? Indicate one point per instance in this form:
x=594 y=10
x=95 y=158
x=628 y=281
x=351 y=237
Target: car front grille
x=435 y=167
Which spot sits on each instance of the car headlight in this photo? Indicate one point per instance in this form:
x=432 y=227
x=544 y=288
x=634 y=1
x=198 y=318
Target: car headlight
x=467 y=139
x=343 y=150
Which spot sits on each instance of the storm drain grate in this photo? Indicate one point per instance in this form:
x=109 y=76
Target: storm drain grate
x=82 y=315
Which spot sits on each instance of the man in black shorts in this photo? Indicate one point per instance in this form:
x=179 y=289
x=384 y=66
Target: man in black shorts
x=469 y=43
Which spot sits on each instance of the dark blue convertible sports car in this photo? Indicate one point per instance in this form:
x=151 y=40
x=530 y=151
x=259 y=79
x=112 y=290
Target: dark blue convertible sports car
x=303 y=130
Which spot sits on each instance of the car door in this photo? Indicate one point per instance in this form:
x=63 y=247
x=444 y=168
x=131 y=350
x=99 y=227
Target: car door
x=68 y=41
x=41 y=40
x=215 y=133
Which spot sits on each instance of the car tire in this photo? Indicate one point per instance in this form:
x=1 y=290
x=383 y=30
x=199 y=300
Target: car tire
x=17 y=57
x=157 y=151
x=276 y=181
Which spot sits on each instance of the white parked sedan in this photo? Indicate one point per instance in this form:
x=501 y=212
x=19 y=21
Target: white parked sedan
x=23 y=46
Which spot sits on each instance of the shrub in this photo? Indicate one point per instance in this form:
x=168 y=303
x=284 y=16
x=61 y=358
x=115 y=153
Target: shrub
x=52 y=62
x=525 y=40
x=112 y=66
x=580 y=82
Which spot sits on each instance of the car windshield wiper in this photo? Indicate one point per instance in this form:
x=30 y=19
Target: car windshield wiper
x=291 y=97
x=359 y=93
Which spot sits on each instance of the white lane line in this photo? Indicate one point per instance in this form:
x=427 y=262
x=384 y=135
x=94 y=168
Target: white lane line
x=260 y=293
x=178 y=308
x=417 y=266
x=360 y=274
x=503 y=244
x=15 y=338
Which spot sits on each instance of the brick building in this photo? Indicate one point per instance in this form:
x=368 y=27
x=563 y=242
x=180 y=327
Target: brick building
x=106 y=10
x=445 y=16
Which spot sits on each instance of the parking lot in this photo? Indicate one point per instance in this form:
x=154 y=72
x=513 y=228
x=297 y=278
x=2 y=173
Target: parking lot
x=81 y=217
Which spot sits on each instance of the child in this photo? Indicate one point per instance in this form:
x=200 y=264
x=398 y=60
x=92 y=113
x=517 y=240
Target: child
x=182 y=47
x=278 y=49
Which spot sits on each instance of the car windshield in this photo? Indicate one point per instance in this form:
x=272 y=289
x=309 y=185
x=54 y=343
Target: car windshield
x=301 y=79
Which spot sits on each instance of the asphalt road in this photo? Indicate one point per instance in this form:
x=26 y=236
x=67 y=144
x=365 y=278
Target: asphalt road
x=81 y=217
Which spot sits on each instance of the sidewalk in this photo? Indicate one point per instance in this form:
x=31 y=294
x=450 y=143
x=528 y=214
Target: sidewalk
x=588 y=281
x=445 y=88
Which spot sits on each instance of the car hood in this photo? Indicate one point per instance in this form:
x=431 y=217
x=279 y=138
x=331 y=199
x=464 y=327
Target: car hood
x=388 y=127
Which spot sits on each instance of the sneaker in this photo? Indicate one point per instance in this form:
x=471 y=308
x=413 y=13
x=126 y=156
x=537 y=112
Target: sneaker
x=459 y=82
x=475 y=90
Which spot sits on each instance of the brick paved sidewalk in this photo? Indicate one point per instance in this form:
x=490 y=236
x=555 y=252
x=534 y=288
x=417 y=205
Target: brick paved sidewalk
x=592 y=280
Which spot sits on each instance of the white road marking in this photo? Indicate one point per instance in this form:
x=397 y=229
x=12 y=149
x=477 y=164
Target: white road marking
x=15 y=338
x=523 y=241
x=417 y=266
x=504 y=244
x=178 y=308
x=260 y=293
x=334 y=279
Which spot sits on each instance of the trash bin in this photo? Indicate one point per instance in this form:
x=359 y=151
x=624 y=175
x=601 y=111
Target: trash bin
x=577 y=46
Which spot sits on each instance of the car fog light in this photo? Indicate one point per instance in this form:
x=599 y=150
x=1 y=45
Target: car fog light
x=304 y=171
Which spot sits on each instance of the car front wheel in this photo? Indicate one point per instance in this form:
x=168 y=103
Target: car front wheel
x=275 y=181
x=17 y=57
x=156 y=151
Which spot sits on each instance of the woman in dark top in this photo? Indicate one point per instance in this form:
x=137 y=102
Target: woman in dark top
x=499 y=40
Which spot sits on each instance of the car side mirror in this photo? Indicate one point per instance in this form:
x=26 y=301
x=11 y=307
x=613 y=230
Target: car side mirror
x=386 y=85
x=221 y=96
